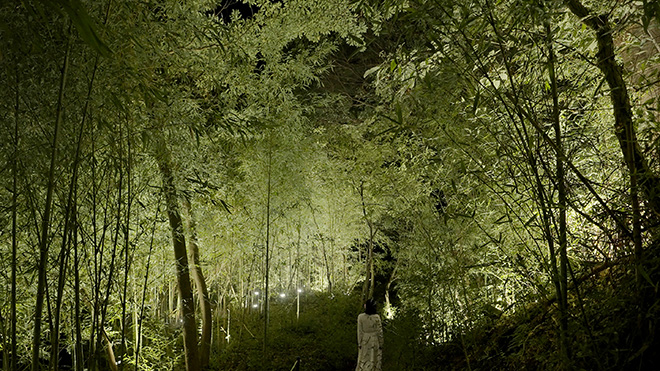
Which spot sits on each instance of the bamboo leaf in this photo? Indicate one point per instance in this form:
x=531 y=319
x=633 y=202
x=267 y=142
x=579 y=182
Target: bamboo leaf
x=530 y=220
x=87 y=28
x=475 y=104
x=225 y=205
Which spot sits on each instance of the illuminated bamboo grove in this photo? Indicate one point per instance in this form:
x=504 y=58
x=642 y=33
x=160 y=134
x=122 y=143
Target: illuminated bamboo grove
x=211 y=185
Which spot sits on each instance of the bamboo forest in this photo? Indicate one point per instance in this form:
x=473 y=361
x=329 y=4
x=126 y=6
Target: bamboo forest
x=228 y=184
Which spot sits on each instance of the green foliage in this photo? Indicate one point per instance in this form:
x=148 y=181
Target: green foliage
x=85 y=25
x=161 y=348
x=324 y=337
x=426 y=123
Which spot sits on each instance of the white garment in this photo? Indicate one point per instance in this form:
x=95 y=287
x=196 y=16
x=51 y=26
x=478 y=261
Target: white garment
x=370 y=342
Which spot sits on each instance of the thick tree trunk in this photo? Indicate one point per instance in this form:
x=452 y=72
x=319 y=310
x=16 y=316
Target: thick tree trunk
x=179 y=243
x=642 y=178
x=388 y=303
x=648 y=182
x=200 y=283
x=110 y=353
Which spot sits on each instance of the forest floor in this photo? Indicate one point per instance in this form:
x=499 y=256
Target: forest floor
x=603 y=332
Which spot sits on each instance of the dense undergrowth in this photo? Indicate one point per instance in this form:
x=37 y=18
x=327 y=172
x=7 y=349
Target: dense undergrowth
x=604 y=332
x=323 y=337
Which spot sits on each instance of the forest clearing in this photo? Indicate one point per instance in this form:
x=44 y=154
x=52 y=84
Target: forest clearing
x=228 y=184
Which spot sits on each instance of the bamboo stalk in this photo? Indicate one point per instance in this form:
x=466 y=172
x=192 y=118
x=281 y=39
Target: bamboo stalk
x=42 y=264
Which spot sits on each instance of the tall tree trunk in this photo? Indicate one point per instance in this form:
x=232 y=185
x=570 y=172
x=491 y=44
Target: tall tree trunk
x=78 y=355
x=562 y=294
x=200 y=284
x=45 y=223
x=266 y=293
x=369 y=284
x=110 y=353
x=328 y=274
x=138 y=343
x=63 y=264
x=113 y=257
x=98 y=243
x=181 y=257
x=68 y=215
x=388 y=303
x=127 y=229
x=4 y=343
x=642 y=178
x=14 y=227
x=641 y=175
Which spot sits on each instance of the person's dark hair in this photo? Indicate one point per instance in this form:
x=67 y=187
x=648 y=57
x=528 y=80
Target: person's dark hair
x=370 y=307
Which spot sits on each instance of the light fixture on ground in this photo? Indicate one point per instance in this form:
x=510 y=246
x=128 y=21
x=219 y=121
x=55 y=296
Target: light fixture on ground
x=298 y=303
x=255 y=299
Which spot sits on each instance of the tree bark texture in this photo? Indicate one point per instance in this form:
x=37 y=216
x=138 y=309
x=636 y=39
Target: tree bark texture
x=200 y=284
x=624 y=128
x=181 y=258
x=110 y=353
x=642 y=178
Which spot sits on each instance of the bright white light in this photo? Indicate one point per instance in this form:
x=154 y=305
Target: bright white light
x=256 y=292
x=299 y=290
x=390 y=311
x=255 y=305
x=282 y=295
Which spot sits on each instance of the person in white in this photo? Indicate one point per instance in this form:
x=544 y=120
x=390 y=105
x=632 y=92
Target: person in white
x=370 y=339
